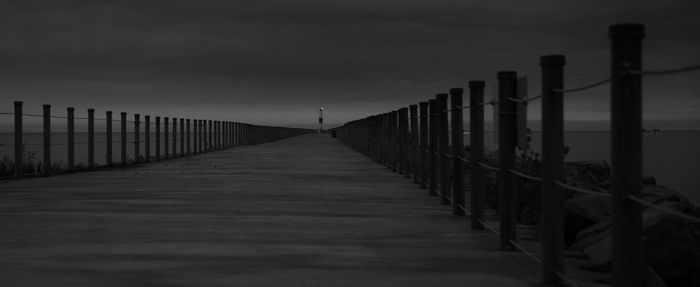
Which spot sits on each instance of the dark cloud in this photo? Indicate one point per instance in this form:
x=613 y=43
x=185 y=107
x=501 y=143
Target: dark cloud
x=356 y=56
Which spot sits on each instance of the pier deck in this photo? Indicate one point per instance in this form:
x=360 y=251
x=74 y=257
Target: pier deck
x=305 y=211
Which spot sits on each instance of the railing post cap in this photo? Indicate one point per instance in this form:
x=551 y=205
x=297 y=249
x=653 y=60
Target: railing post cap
x=70 y=108
x=456 y=91
x=507 y=75
x=46 y=106
x=91 y=110
x=404 y=109
x=477 y=84
x=414 y=106
x=18 y=103
x=627 y=30
x=441 y=96
x=552 y=60
x=423 y=103
x=123 y=113
x=108 y=112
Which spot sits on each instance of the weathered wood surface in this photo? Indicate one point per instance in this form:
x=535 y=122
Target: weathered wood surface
x=305 y=211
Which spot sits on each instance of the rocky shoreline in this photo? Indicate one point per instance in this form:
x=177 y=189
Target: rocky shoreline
x=671 y=244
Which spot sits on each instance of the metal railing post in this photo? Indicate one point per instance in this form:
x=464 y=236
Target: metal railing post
x=456 y=95
x=47 y=140
x=433 y=169
x=182 y=137
x=626 y=154
x=174 y=138
x=157 y=138
x=108 y=140
x=202 y=133
x=393 y=118
x=91 y=138
x=166 y=138
x=137 y=137
x=424 y=145
x=195 y=137
x=147 y=135
x=414 y=142
x=189 y=139
x=476 y=138
x=71 y=138
x=237 y=136
x=507 y=135
x=19 y=141
x=210 y=144
x=402 y=140
x=123 y=134
x=443 y=148
x=382 y=138
x=552 y=166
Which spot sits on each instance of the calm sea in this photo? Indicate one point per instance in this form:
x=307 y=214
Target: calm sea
x=672 y=157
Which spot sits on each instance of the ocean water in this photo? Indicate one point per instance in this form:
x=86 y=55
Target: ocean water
x=672 y=157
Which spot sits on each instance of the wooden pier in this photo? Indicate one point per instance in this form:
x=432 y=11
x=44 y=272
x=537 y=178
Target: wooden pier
x=304 y=211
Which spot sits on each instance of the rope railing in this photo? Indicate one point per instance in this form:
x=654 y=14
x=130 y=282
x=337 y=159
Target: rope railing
x=489 y=227
x=488 y=167
x=525 y=100
x=581 y=190
x=667 y=71
x=663 y=209
x=491 y=102
x=605 y=81
x=33 y=115
x=523 y=175
x=525 y=251
x=583 y=88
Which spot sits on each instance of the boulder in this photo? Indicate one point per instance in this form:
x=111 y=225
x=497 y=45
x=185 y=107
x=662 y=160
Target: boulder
x=591 y=236
x=671 y=245
x=583 y=211
x=594 y=173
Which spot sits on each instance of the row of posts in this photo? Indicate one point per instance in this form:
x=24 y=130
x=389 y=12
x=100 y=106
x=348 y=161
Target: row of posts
x=415 y=142
x=196 y=136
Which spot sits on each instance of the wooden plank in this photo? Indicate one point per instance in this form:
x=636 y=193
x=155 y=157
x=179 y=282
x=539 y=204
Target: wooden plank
x=296 y=212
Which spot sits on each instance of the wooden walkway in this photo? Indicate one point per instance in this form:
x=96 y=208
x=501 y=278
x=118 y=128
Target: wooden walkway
x=305 y=211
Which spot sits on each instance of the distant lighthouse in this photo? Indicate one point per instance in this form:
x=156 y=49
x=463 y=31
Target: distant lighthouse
x=320 y=120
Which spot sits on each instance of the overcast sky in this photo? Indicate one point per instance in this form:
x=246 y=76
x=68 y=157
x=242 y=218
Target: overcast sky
x=276 y=62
